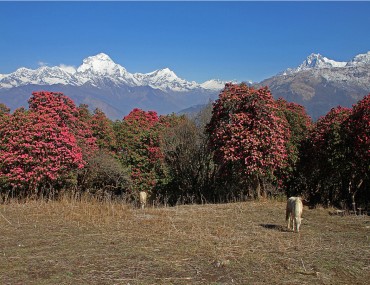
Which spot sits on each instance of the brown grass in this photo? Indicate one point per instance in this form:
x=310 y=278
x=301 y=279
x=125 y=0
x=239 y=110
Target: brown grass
x=90 y=242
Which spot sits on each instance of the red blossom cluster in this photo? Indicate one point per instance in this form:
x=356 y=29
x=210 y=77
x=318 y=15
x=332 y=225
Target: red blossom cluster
x=360 y=125
x=65 y=113
x=103 y=131
x=35 y=150
x=139 y=142
x=334 y=163
x=358 y=129
x=328 y=126
x=246 y=127
x=41 y=146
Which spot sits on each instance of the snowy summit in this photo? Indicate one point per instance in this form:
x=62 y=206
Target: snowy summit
x=315 y=61
x=166 y=80
x=360 y=59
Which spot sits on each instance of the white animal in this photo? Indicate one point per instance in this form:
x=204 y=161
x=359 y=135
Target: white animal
x=294 y=208
x=143 y=197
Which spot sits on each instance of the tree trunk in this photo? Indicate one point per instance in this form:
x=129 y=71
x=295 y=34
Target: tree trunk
x=353 y=193
x=256 y=186
x=263 y=189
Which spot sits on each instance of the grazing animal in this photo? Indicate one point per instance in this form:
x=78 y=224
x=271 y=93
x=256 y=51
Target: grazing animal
x=294 y=208
x=143 y=197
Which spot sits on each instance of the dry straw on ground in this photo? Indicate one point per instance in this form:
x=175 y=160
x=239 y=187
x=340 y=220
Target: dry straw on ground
x=91 y=242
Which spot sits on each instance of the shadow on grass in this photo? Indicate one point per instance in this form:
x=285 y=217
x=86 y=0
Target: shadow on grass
x=274 y=227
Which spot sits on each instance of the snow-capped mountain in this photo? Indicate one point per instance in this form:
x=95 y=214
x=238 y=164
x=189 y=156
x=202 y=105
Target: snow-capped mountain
x=214 y=84
x=360 y=60
x=41 y=76
x=314 y=61
x=98 y=71
x=334 y=71
x=165 y=79
x=217 y=84
x=320 y=83
x=101 y=83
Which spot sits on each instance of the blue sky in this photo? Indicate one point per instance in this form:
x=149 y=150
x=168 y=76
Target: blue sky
x=197 y=40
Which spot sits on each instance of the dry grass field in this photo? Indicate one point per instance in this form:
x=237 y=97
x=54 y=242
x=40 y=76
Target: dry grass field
x=90 y=242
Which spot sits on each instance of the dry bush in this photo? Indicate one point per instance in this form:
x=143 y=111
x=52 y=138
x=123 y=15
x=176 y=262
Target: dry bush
x=189 y=163
x=104 y=175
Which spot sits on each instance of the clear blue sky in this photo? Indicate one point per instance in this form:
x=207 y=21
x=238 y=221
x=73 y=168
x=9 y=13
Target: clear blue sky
x=197 y=40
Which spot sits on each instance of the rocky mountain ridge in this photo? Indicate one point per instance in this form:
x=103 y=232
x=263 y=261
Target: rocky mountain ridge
x=320 y=84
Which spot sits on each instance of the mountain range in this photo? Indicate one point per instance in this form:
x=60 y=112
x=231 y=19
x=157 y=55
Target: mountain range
x=318 y=84
x=101 y=83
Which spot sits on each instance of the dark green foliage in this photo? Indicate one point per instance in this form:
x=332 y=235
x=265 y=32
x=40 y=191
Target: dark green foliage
x=188 y=160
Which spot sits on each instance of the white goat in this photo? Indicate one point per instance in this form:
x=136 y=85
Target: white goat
x=294 y=208
x=143 y=197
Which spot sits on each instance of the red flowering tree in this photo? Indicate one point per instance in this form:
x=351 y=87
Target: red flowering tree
x=66 y=114
x=326 y=132
x=138 y=141
x=103 y=131
x=4 y=122
x=246 y=130
x=299 y=125
x=357 y=130
x=36 y=152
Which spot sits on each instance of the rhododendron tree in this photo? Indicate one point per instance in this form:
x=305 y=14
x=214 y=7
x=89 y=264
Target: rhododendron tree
x=299 y=125
x=246 y=130
x=103 y=131
x=138 y=143
x=36 y=152
x=66 y=114
x=322 y=172
x=357 y=129
x=4 y=122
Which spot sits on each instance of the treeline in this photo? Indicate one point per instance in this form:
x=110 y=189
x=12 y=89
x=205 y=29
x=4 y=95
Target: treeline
x=245 y=145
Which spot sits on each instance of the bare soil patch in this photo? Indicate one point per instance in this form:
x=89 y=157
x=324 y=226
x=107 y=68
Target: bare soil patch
x=90 y=242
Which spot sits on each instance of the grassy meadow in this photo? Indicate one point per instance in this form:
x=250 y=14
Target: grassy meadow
x=92 y=242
